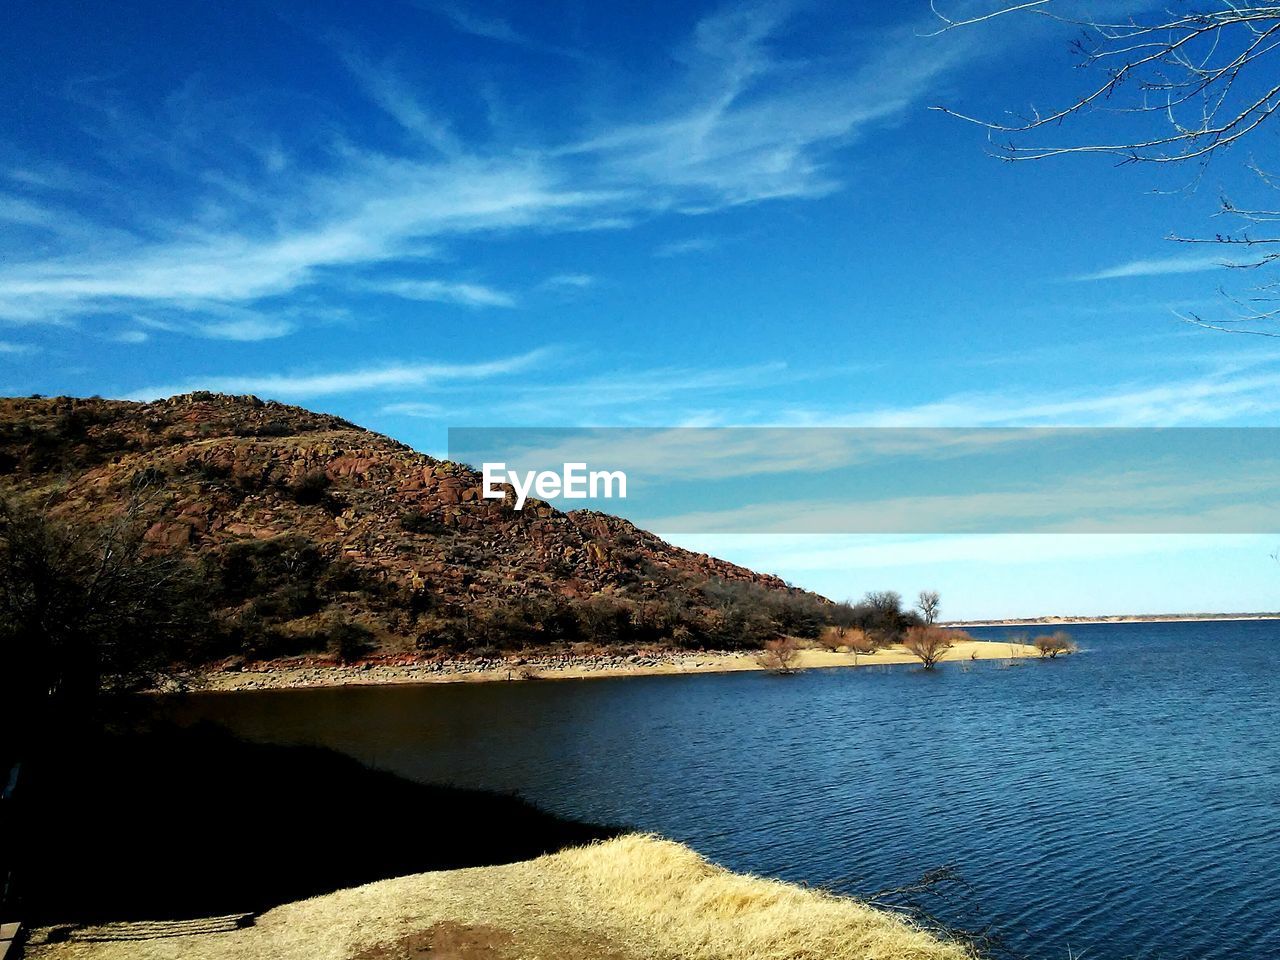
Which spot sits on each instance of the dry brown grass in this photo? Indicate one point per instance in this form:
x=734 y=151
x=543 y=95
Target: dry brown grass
x=633 y=898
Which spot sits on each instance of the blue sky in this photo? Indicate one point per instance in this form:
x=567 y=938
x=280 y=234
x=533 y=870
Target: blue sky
x=423 y=215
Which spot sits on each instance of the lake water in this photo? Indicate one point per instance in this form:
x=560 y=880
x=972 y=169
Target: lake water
x=1123 y=803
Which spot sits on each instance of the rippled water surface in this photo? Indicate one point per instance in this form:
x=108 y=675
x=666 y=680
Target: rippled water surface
x=1124 y=803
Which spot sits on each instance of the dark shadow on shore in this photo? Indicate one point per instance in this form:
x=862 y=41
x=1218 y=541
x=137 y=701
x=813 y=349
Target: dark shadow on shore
x=178 y=823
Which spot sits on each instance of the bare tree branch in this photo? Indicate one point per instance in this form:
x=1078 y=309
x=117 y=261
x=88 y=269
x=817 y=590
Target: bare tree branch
x=950 y=24
x=1187 y=87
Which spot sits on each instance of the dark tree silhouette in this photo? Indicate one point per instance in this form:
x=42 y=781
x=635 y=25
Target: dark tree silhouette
x=85 y=610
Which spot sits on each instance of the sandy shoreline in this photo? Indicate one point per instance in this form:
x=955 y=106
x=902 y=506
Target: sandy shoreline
x=308 y=675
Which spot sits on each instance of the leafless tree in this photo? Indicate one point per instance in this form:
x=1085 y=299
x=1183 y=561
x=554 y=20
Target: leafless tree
x=1054 y=644
x=928 y=603
x=1185 y=86
x=930 y=644
x=780 y=655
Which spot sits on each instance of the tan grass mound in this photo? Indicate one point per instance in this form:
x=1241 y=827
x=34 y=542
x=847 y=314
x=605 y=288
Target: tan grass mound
x=633 y=898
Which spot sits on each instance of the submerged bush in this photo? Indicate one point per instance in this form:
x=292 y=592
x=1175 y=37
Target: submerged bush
x=930 y=644
x=780 y=655
x=1053 y=644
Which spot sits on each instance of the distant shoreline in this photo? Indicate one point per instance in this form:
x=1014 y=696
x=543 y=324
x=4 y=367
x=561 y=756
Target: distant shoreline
x=1119 y=618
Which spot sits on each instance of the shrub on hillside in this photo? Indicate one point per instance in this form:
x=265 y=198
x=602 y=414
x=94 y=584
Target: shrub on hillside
x=251 y=569
x=603 y=620
x=272 y=428
x=745 y=615
x=418 y=521
x=739 y=626
x=310 y=488
x=349 y=641
x=265 y=641
x=658 y=621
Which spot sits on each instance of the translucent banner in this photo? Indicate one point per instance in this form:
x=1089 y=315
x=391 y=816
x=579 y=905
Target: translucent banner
x=890 y=480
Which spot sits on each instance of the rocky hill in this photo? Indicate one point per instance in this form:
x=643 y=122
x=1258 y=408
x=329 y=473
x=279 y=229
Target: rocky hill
x=306 y=531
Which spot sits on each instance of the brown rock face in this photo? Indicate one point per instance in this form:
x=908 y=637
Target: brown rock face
x=215 y=477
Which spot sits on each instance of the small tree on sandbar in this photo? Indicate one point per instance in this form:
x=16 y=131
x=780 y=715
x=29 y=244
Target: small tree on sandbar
x=860 y=644
x=780 y=655
x=930 y=644
x=1053 y=644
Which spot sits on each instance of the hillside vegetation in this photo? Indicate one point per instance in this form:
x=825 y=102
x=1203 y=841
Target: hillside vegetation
x=277 y=532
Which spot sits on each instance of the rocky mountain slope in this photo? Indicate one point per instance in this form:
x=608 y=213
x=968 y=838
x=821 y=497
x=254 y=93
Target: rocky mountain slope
x=305 y=529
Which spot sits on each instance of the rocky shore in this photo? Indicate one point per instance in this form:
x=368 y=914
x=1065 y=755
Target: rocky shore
x=278 y=675
x=314 y=672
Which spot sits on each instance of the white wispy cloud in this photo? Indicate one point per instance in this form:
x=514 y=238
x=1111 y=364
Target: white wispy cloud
x=301 y=386
x=1228 y=392
x=248 y=329
x=469 y=20
x=748 y=126
x=403 y=104
x=9 y=348
x=1232 y=391
x=381 y=205
x=678 y=248
x=736 y=123
x=50 y=217
x=222 y=321
x=658 y=396
x=1160 y=267
x=441 y=291
x=569 y=281
x=1236 y=388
